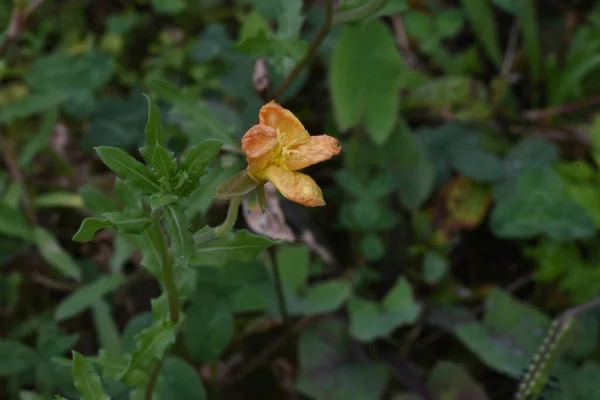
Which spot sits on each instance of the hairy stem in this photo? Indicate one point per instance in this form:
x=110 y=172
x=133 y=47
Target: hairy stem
x=311 y=51
x=232 y=213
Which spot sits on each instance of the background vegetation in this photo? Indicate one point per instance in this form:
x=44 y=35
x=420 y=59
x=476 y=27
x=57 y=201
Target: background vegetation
x=462 y=215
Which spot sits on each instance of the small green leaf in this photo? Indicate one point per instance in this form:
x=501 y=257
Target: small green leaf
x=326 y=296
x=15 y=357
x=86 y=379
x=106 y=328
x=55 y=255
x=238 y=185
x=209 y=319
x=481 y=16
x=199 y=156
x=59 y=199
x=155 y=134
x=128 y=168
x=154 y=250
x=239 y=246
x=182 y=240
x=52 y=342
x=366 y=89
x=163 y=162
x=180 y=381
x=40 y=140
x=14 y=224
x=293 y=264
x=88 y=229
x=86 y=296
x=435 y=267
x=151 y=344
x=129 y=221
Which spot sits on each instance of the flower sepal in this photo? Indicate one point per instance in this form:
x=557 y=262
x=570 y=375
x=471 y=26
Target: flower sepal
x=238 y=185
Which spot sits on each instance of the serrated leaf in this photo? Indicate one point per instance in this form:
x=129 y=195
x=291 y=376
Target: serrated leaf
x=15 y=357
x=86 y=296
x=55 y=255
x=88 y=229
x=86 y=379
x=199 y=156
x=128 y=168
x=182 y=240
x=129 y=221
x=180 y=381
x=155 y=134
x=151 y=344
x=14 y=224
x=366 y=89
x=239 y=246
x=209 y=319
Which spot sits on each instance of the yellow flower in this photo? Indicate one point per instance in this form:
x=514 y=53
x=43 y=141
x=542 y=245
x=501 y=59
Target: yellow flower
x=279 y=146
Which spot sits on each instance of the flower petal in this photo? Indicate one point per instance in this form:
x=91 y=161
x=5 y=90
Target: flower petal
x=318 y=149
x=258 y=143
x=295 y=186
x=277 y=117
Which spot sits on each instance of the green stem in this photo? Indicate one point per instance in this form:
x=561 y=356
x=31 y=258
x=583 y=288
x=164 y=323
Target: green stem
x=360 y=12
x=279 y=288
x=171 y=288
x=232 y=213
x=152 y=380
x=311 y=51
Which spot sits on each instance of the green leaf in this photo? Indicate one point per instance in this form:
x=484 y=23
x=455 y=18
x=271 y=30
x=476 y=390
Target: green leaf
x=14 y=224
x=325 y=297
x=413 y=168
x=370 y=320
x=55 y=255
x=15 y=357
x=162 y=161
x=168 y=7
x=88 y=229
x=366 y=89
x=134 y=326
x=180 y=381
x=331 y=370
x=530 y=153
x=290 y=19
x=128 y=168
x=128 y=195
x=531 y=39
x=86 y=379
x=129 y=221
x=154 y=250
x=151 y=344
x=40 y=140
x=30 y=104
x=478 y=164
x=293 y=263
x=59 y=199
x=481 y=16
x=106 y=328
x=86 y=296
x=239 y=246
x=97 y=201
x=155 y=134
x=198 y=157
x=435 y=267
x=238 y=185
x=52 y=342
x=182 y=240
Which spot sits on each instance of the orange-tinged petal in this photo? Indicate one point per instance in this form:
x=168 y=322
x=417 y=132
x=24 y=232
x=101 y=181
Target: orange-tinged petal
x=258 y=143
x=295 y=186
x=319 y=148
x=277 y=117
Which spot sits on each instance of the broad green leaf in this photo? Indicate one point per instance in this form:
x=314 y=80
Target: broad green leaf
x=97 y=201
x=55 y=255
x=330 y=369
x=293 y=264
x=180 y=381
x=15 y=357
x=106 y=327
x=87 y=295
x=481 y=17
x=155 y=134
x=59 y=199
x=128 y=168
x=238 y=185
x=413 y=168
x=239 y=246
x=209 y=319
x=199 y=156
x=478 y=164
x=529 y=153
x=151 y=344
x=14 y=224
x=325 y=297
x=88 y=229
x=366 y=89
x=129 y=221
x=182 y=241
x=86 y=379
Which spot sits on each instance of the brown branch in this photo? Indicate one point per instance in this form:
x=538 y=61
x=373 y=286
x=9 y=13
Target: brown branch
x=311 y=51
x=547 y=113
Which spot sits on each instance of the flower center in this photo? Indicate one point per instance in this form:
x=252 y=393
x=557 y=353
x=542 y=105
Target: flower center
x=285 y=149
